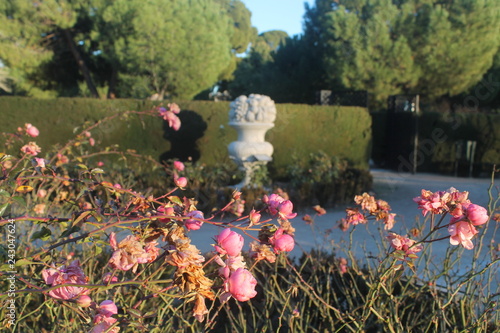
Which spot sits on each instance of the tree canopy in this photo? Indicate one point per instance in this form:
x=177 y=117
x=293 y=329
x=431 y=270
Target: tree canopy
x=407 y=46
x=136 y=48
x=181 y=48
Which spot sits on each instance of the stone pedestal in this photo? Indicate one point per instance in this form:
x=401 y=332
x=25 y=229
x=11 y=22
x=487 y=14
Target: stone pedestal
x=251 y=117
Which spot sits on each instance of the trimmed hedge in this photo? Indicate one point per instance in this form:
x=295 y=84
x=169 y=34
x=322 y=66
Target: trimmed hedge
x=438 y=134
x=344 y=132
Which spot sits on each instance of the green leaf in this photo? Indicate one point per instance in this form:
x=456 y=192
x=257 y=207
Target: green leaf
x=135 y=313
x=82 y=166
x=98 y=250
x=3 y=208
x=24 y=262
x=43 y=234
x=4 y=193
x=176 y=200
x=96 y=171
x=150 y=314
x=96 y=216
x=19 y=200
x=70 y=230
x=81 y=217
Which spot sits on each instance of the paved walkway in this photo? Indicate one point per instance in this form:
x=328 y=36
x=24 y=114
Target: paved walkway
x=398 y=190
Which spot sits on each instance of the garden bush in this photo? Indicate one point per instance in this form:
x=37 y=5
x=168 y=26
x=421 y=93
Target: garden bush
x=344 y=132
x=87 y=250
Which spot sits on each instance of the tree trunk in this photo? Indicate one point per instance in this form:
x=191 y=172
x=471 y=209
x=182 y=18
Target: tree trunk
x=81 y=64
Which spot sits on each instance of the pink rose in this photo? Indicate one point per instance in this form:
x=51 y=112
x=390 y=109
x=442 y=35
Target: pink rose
x=281 y=241
x=128 y=254
x=84 y=301
x=254 y=217
x=107 y=308
x=40 y=162
x=230 y=242
x=285 y=210
x=31 y=130
x=103 y=323
x=476 y=214
x=178 y=165
x=173 y=121
x=405 y=244
x=181 y=182
x=242 y=285
x=169 y=211
x=72 y=273
x=462 y=233
x=174 y=108
x=192 y=224
x=109 y=278
x=273 y=201
x=31 y=148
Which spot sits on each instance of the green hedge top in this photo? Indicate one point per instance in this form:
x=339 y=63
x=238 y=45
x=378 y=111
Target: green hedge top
x=299 y=129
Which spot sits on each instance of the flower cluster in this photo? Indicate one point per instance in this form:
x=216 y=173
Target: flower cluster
x=404 y=244
x=29 y=130
x=238 y=281
x=70 y=274
x=379 y=209
x=465 y=216
x=103 y=319
x=131 y=252
x=169 y=114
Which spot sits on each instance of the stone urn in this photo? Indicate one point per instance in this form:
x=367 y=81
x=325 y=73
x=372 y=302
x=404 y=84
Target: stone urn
x=251 y=117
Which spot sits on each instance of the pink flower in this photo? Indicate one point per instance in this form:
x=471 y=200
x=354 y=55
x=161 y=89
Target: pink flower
x=343 y=265
x=41 y=193
x=84 y=301
x=285 y=210
x=40 y=162
x=180 y=182
x=31 y=130
x=100 y=163
x=92 y=141
x=107 y=308
x=65 y=275
x=254 y=217
x=128 y=254
x=169 y=211
x=103 y=323
x=404 y=244
x=152 y=249
x=462 y=233
x=354 y=216
x=238 y=207
x=109 y=278
x=432 y=202
x=277 y=205
x=174 y=108
x=195 y=223
x=229 y=242
x=178 y=165
x=31 y=148
x=281 y=241
x=242 y=284
x=87 y=134
x=476 y=214
x=273 y=202
x=169 y=116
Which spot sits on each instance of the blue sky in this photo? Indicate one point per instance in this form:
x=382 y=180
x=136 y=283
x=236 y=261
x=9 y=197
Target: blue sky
x=277 y=14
